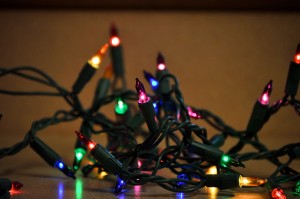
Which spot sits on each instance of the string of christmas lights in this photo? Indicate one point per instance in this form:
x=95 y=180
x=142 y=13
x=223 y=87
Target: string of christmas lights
x=171 y=140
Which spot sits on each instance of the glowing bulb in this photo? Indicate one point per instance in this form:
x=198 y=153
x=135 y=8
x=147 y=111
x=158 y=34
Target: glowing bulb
x=161 y=66
x=297 y=188
x=16 y=185
x=86 y=141
x=277 y=193
x=79 y=153
x=121 y=107
x=193 y=114
x=60 y=165
x=154 y=83
x=139 y=163
x=212 y=170
x=151 y=80
x=91 y=146
x=119 y=186
x=103 y=174
x=115 y=41
x=297 y=55
x=184 y=177
x=143 y=98
x=155 y=107
x=264 y=99
x=225 y=160
x=250 y=181
x=96 y=60
x=161 y=62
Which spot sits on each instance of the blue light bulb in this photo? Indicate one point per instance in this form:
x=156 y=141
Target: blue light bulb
x=59 y=164
x=154 y=83
x=155 y=107
x=119 y=186
x=184 y=177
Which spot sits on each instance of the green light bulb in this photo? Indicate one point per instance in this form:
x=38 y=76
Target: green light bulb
x=297 y=188
x=225 y=160
x=79 y=153
x=121 y=107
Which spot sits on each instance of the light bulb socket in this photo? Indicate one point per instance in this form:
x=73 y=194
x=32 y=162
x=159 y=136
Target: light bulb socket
x=223 y=181
x=84 y=76
x=209 y=153
x=100 y=92
x=257 y=119
x=217 y=140
x=5 y=184
x=293 y=79
x=135 y=122
x=44 y=151
x=116 y=54
x=149 y=115
x=109 y=162
x=164 y=84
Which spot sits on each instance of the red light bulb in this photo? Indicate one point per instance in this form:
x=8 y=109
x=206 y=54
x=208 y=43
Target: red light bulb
x=297 y=55
x=87 y=141
x=16 y=185
x=277 y=193
x=161 y=62
x=114 y=39
x=264 y=99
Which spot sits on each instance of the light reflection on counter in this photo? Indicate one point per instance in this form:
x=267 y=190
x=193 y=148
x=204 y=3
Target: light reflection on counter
x=179 y=195
x=78 y=188
x=60 y=190
x=137 y=191
x=212 y=192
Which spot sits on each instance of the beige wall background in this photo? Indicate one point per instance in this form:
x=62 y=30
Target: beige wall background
x=222 y=61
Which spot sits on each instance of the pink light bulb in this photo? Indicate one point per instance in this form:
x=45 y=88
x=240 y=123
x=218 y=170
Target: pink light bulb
x=192 y=113
x=139 y=163
x=143 y=97
x=265 y=97
x=264 y=100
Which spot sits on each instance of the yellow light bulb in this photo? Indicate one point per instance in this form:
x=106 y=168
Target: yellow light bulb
x=96 y=60
x=212 y=170
x=251 y=181
x=103 y=174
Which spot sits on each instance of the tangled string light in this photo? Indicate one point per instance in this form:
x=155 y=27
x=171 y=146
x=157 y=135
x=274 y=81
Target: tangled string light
x=171 y=140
